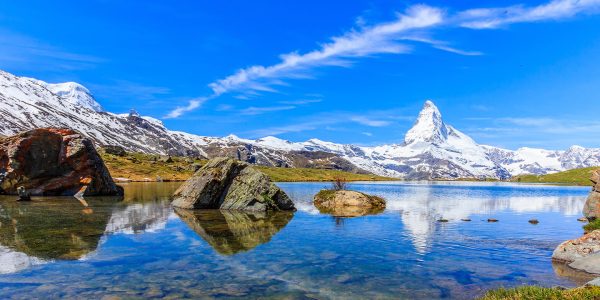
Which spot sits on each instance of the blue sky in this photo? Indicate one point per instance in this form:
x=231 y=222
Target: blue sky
x=509 y=74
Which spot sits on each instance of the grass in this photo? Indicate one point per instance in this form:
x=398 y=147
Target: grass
x=541 y=293
x=571 y=177
x=146 y=167
x=591 y=226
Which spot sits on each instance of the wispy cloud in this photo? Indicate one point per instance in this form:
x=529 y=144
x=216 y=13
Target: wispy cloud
x=192 y=104
x=301 y=101
x=370 y=122
x=261 y=110
x=124 y=88
x=21 y=51
x=485 y=18
x=393 y=37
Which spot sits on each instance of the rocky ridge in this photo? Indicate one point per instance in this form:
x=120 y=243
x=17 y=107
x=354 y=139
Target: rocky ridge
x=431 y=149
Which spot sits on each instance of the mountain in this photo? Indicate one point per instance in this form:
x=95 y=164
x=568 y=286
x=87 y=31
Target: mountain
x=431 y=148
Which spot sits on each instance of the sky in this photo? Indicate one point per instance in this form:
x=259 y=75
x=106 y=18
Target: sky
x=508 y=73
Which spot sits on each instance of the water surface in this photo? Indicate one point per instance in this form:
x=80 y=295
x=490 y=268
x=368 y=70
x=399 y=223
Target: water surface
x=140 y=247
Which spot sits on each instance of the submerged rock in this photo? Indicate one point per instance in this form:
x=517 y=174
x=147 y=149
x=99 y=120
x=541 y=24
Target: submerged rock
x=226 y=183
x=345 y=203
x=589 y=264
x=576 y=249
x=230 y=232
x=53 y=161
x=591 y=210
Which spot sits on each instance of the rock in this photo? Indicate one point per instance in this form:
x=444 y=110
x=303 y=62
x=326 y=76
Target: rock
x=53 y=161
x=589 y=264
x=534 y=221
x=165 y=159
x=492 y=220
x=595 y=282
x=591 y=210
x=114 y=150
x=23 y=194
x=345 y=203
x=582 y=219
x=573 y=250
x=226 y=183
x=466 y=220
x=443 y=220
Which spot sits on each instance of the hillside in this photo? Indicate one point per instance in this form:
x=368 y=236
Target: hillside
x=579 y=176
x=148 y=167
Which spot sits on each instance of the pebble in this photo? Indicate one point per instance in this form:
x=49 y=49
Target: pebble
x=534 y=221
x=466 y=220
x=442 y=220
x=582 y=219
x=492 y=220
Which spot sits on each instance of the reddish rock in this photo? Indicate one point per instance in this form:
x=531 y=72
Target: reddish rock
x=592 y=206
x=51 y=161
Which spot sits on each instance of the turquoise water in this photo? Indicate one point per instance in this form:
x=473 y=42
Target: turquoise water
x=141 y=247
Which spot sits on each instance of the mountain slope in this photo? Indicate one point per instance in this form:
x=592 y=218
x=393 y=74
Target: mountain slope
x=431 y=148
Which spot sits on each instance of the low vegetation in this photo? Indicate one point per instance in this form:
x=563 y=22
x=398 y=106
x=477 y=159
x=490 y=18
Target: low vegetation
x=591 y=226
x=541 y=293
x=148 y=167
x=571 y=177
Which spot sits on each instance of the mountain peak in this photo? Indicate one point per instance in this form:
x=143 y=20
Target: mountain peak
x=429 y=126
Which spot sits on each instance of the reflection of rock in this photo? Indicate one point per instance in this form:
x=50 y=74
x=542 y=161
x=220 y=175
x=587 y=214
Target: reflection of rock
x=580 y=253
x=230 y=232
x=52 y=161
x=592 y=205
x=348 y=203
x=56 y=229
x=563 y=270
x=225 y=183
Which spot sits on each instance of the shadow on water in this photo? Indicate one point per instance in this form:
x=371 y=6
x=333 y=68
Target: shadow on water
x=231 y=232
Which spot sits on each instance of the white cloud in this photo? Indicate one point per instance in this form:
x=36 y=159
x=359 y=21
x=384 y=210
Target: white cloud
x=261 y=110
x=370 y=122
x=192 y=104
x=482 y=18
x=301 y=101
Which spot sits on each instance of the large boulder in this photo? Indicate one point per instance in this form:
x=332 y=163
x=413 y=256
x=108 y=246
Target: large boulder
x=592 y=206
x=581 y=253
x=345 y=203
x=53 y=162
x=226 y=183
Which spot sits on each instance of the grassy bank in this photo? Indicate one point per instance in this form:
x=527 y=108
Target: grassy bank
x=535 y=292
x=146 y=167
x=570 y=177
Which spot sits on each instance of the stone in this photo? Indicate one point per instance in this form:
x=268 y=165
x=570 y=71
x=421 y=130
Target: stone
x=591 y=210
x=589 y=264
x=466 y=220
x=534 y=221
x=595 y=282
x=165 y=159
x=491 y=220
x=573 y=250
x=226 y=183
x=443 y=220
x=344 y=203
x=582 y=219
x=114 y=150
x=53 y=162
x=23 y=194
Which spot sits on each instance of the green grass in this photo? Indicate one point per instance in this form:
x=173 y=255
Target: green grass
x=571 y=177
x=591 y=226
x=536 y=292
x=146 y=167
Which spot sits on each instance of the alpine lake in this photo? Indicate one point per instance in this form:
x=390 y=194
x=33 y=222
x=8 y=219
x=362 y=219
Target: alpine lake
x=140 y=247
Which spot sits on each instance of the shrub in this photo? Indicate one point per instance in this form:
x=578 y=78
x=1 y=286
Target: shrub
x=591 y=226
x=339 y=184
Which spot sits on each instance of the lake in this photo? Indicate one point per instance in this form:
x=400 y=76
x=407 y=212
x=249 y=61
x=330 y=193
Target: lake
x=140 y=247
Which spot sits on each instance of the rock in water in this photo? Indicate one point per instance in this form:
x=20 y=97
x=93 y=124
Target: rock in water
x=576 y=249
x=591 y=209
x=226 y=183
x=53 y=162
x=345 y=203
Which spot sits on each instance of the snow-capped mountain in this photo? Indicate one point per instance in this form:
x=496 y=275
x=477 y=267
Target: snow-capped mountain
x=431 y=148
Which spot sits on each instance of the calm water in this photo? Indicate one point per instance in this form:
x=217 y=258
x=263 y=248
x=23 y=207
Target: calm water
x=141 y=247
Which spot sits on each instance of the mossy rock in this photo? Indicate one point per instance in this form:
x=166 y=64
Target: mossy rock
x=346 y=203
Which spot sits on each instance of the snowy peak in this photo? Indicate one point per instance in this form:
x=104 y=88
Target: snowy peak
x=429 y=126
x=71 y=92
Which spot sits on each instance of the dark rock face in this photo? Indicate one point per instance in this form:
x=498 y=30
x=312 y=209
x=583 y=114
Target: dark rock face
x=230 y=232
x=591 y=210
x=114 y=150
x=226 y=183
x=55 y=162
